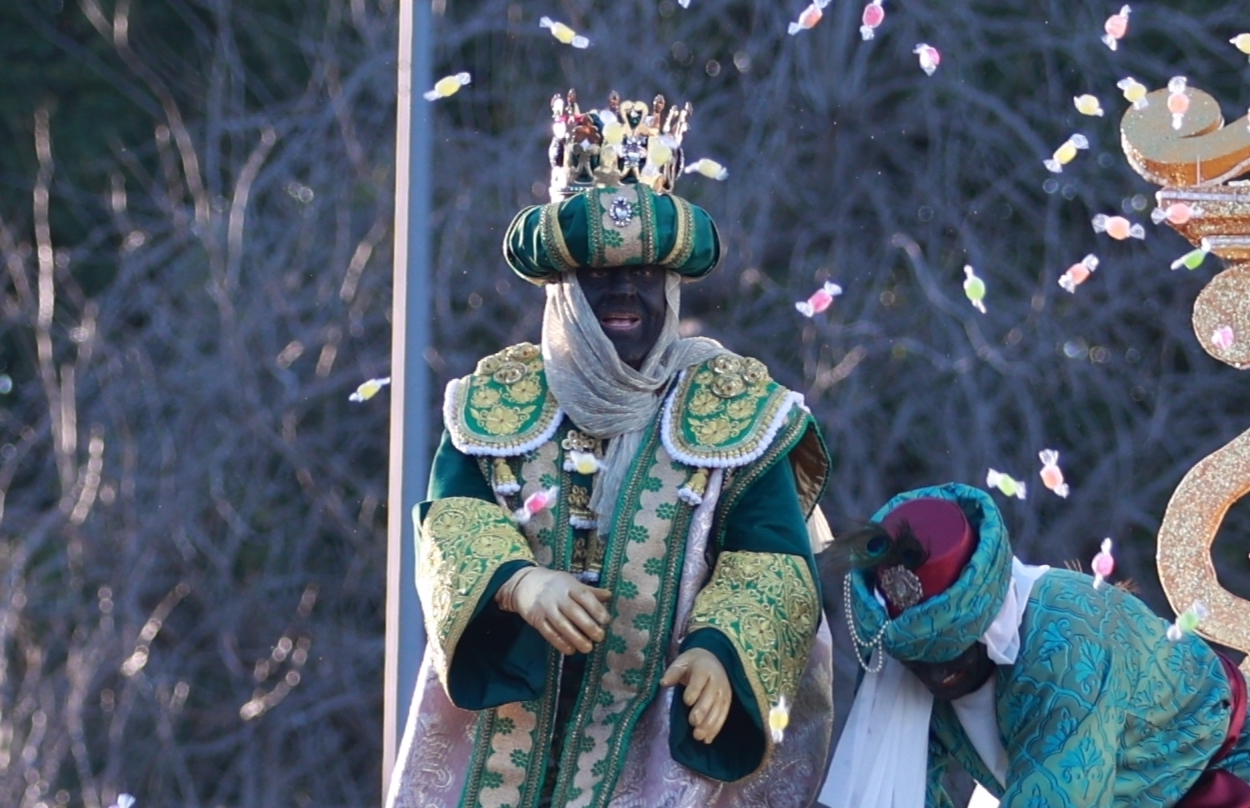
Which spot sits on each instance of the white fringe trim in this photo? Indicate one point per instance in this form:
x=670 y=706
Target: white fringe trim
x=688 y=496
x=507 y=489
x=459 y=440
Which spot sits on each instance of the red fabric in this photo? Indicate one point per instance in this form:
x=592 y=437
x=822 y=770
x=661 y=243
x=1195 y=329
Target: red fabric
x=1237 y=683
x=1219 y=788
x=943 y=531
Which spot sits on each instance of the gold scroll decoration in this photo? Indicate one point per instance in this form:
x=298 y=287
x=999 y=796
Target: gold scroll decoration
x=1198 y=164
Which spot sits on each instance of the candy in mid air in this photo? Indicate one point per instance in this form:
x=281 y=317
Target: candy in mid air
x=369 y=389
x=1052 y=475
x=1066 y=153
x=1187 y=622
x=873 y=16
x=708 y=168
x=820 y=300
x=974 y=288
x=1242 y=43
x=582 y=462
x=810 y=16
x=124 y=801
x=1116 y=27
x=565 y=34
x=1222 y=337
x=1134 y=92
x=1117 y=227
x=535 y=504
x=778 y=720
x=1175 y=213
x=1078 y=273
x=1178 y=100
x=1194 y=258
x=1088 y=105
x=1009 y=485
x=1103 y=563
x=929 y=58
x=447 y=86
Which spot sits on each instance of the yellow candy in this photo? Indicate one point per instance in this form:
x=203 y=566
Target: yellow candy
x=613 y=133
x=369 y=389
x=708 y=168
x=778 y=720
x=1087 y=105
x=1134 y=91
x=658 y=154
x=564 y=34
x=447 y=86
x=1242 y=43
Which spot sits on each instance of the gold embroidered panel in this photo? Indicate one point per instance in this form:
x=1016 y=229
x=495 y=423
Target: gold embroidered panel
x=504 y=408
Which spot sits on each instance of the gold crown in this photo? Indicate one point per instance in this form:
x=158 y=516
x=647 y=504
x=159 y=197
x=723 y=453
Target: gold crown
x=626 y=141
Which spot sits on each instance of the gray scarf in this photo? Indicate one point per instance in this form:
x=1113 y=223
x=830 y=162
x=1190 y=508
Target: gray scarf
x=601 y=394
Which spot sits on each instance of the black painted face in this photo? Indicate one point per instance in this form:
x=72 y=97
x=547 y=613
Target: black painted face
x=630 y=305
x=959 y=677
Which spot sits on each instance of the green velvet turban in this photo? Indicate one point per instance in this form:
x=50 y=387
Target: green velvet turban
x=611 y=227
x=944 y=626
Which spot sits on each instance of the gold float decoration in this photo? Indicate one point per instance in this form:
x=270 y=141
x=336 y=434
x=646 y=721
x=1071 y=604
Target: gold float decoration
x=1198 y=164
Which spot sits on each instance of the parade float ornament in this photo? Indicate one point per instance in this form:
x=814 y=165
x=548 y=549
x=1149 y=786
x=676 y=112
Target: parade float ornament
x=871 y=19
x=809 y=17
x=1005 y=483
x=708 y=168
x=1088 y=105
x=1200 y=165
x=369 y=389
x=778 y=720
x=1187 y=622
x=1103 y=564
x=1117 y=227
x=1051 y=474
x=1134 y=92
x=447 y=87
x=820 y=300
x=1194 y=258
x=1178 y=101
x=1116 y=27
x=1078 y=273
x=1066 y=153
x=929 y=58
x=1242 y=43
x=535 y=504
x=564 y=34
x=974 y=288
x=1174 y=214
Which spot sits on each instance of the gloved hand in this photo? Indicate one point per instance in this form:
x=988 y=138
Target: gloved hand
x=708 y=693
x=566 y=612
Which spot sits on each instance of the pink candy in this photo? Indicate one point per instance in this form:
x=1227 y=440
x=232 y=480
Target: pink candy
x=1077 y=274
x=1175 y=213
x=820 y=300
x=1103 y=563
x=1117 y=227
x=1116 y=27
x=1223 y=338
x=873 y=16
x=929 y=58
x=1051 y=474
x=1178 y=100
x=535 y=504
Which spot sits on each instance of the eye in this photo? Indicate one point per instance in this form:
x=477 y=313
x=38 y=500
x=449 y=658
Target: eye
x=596 y=274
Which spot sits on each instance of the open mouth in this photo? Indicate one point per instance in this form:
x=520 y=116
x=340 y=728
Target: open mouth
x=619 y=322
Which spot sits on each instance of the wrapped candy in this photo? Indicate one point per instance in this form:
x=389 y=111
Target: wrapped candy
x=1242 y=43
x=1194 y=258
x=1134 y=92
x=369 y=389
x=778 y=720
x=535 y=504
x=1116 y=27
x=1103 y=563
x=809 y=17
x=564 y=34
x=582 y=462
x=447 y=86
x=708 y=168
x=1078 y=273
x=1223 y=337
x=873 y=16
x=929 y=58
x=1175 y=213
x=1052 y=475
x=1005 y=483
x=820 y=300
x=1178 y=100
x=1066 y=153
x=1117 y=227
x=1187 y=622
x=1088 y=105
x=974 y=288
x=123 y=801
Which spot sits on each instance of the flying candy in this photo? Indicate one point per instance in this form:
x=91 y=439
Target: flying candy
x=1134 y=92
x=1052 y=475
x=874 y=14
x=1242 y=43
x=123 y=801
x=684 y=3
x=708 y=168
x=1175 y=213
x=1088 y=105
x=779 y=719
x=1103 y=563
x=1066 y=153
x=1194 y=258
x=1006 y=483
x=929 y=58
x=1117 y=227
x=974 y=288
x=447 y=86
x=1178 y=101
x=535 y=504
x=820 y=300
x=565 y=34
x=582 y=462
x=1116 y=27
x=1222 y=338
x=1077 y=274
x=369 y=389
x=810 y=16
x=1187 y=622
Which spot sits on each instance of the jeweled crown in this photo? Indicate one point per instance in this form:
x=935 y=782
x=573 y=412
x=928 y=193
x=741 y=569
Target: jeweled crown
x=626 y=141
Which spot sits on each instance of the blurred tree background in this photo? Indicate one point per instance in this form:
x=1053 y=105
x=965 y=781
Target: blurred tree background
x=195 y=210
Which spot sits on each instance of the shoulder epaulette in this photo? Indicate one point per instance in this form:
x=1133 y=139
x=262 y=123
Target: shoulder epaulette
x=504 y=408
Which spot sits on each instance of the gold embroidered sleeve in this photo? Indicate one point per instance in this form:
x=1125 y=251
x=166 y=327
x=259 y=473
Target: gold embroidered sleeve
x=766 y=605
x=460 y=545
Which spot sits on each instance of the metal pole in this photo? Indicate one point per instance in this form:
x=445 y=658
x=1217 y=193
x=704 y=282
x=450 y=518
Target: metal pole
x=410 y=445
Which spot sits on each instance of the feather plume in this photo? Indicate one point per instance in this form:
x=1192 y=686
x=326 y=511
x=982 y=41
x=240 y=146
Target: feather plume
x=870 y=546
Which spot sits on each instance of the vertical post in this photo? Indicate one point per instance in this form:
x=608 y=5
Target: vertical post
x=409 y=448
